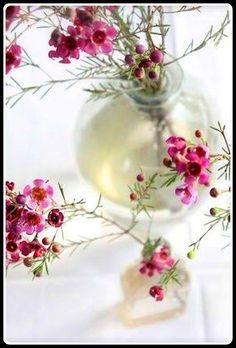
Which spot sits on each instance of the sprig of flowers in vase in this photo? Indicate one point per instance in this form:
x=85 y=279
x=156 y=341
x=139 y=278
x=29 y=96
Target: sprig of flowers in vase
x=189 y=162
x=124 y=48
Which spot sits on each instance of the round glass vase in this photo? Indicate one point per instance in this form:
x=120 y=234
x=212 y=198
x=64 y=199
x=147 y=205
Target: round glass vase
x=116 y=138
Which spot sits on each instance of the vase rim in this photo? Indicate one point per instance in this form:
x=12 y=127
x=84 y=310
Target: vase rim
x=171 y=90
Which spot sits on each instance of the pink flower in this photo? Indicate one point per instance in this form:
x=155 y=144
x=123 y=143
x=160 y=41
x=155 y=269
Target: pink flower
x=199 y=153
x=148 y=267
x=177 y=145
x=83 y=17
x=188 y=194
x=111 y=8
x=11 y=14
x=39 y=195
x=162 y=259
x=32 y=222
x=67 y=46
x=157 y=292
x=34 y=247
x=24 y=247
x=159 y=261
x=97 y=38
x=55 y=218
x=191 y=162
x=13 y=58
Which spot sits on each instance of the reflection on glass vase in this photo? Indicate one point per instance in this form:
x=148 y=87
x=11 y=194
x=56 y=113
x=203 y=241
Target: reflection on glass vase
x=114 y=138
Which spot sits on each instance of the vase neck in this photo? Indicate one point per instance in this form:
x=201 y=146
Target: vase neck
x=166 y=97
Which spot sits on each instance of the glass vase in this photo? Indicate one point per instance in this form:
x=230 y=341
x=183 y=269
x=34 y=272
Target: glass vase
x=115 y=138
x=139 y=308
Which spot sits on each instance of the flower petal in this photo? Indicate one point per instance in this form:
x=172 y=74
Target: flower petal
x=49 y=190
x=189 y=179
x=44 y=203
x=39 y=228
x=38 y=182
x=27 y=190
x=111 y=32
x=29 y=229
x=87 y=33
x=107 y=47
x=32 y=204
x=98 y=25
x=203 y=178
x=90 y=48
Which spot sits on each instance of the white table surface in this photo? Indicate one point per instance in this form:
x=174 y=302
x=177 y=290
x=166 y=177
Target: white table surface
x=77 y=302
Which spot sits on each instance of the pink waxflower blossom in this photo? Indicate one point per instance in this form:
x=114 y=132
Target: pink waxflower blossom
x=188 y=194
x=34 y=247
x=11 y=14
x=84 y=17
x=38 y=195
x=159 y=261
x=157 y=292
x=191 y=162
x=13 y=57
x=67 y=46
x=111 y=8
x=33 y=222
x=97 y=38
x=177 y=145
x=9 y=187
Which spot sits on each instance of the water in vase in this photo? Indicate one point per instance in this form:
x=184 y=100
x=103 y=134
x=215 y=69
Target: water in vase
x=119 y=138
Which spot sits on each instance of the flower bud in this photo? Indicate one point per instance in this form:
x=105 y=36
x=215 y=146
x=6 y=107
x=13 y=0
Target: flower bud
x=140 y=49
x=37 y=273
x=167 y=162
x=139 y=73
x=214 y=192
x=27 y=261
x=145 y=63
x=46 y=241
x=20 y=199
x=156 y=56
x=129 y=59
x=140 y=177
x=199 y=133
x=214 y=211
x=153 y=75
x=191 y=254
x=56 y=248
x=133 y=196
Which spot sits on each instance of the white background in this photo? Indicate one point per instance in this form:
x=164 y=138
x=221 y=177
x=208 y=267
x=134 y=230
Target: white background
x=77 y=302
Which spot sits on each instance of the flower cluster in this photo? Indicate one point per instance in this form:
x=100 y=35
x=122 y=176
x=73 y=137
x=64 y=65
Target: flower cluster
x=157 y=260
x=13 y=51
x=26 y=218
x=145 y=63
x=13 y=57
x=191 y=162
x=12 y=13
x=87 y=34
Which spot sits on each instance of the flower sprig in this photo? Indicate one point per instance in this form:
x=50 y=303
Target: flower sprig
x=34 y=210
x=106 y=42
x=141 y=193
